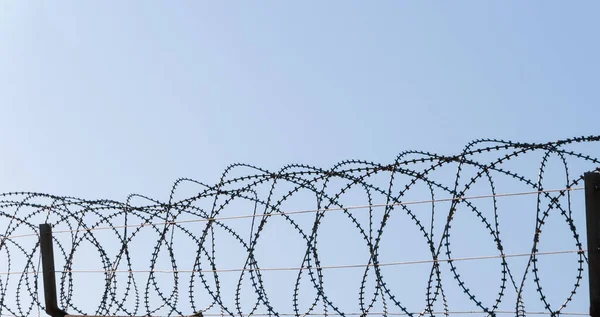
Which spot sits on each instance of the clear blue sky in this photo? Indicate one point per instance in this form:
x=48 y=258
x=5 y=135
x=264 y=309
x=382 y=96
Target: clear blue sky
x=102 y=99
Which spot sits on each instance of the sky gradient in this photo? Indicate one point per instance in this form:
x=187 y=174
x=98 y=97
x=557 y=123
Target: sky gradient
x=101 y=99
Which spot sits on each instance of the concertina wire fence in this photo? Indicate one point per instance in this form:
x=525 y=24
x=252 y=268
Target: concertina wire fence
x=147 y=257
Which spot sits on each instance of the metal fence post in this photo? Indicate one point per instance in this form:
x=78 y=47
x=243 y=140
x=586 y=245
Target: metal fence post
x=47 y=251
x=592 y=212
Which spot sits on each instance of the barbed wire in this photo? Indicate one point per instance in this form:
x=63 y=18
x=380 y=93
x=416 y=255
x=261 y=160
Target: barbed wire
x=500 y=312
x=190 y=230
x=329 y=267
x=294 y=212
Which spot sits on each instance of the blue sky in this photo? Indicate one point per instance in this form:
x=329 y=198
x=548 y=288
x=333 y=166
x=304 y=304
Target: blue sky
x=103 y=99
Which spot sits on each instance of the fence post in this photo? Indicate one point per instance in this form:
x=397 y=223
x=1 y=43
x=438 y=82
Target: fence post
x=592 y=214
x=47 y=251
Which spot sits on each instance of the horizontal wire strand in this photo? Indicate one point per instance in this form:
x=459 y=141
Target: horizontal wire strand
x=348 y=266
x=414 y=313
x=465 y=312
x=405 y=314
x=416 y=202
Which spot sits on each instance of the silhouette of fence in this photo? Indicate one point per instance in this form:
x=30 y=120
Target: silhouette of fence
x=207 y=248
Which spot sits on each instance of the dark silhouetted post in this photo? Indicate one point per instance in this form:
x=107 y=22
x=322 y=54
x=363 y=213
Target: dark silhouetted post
x=47 y=251
x=592 y=212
